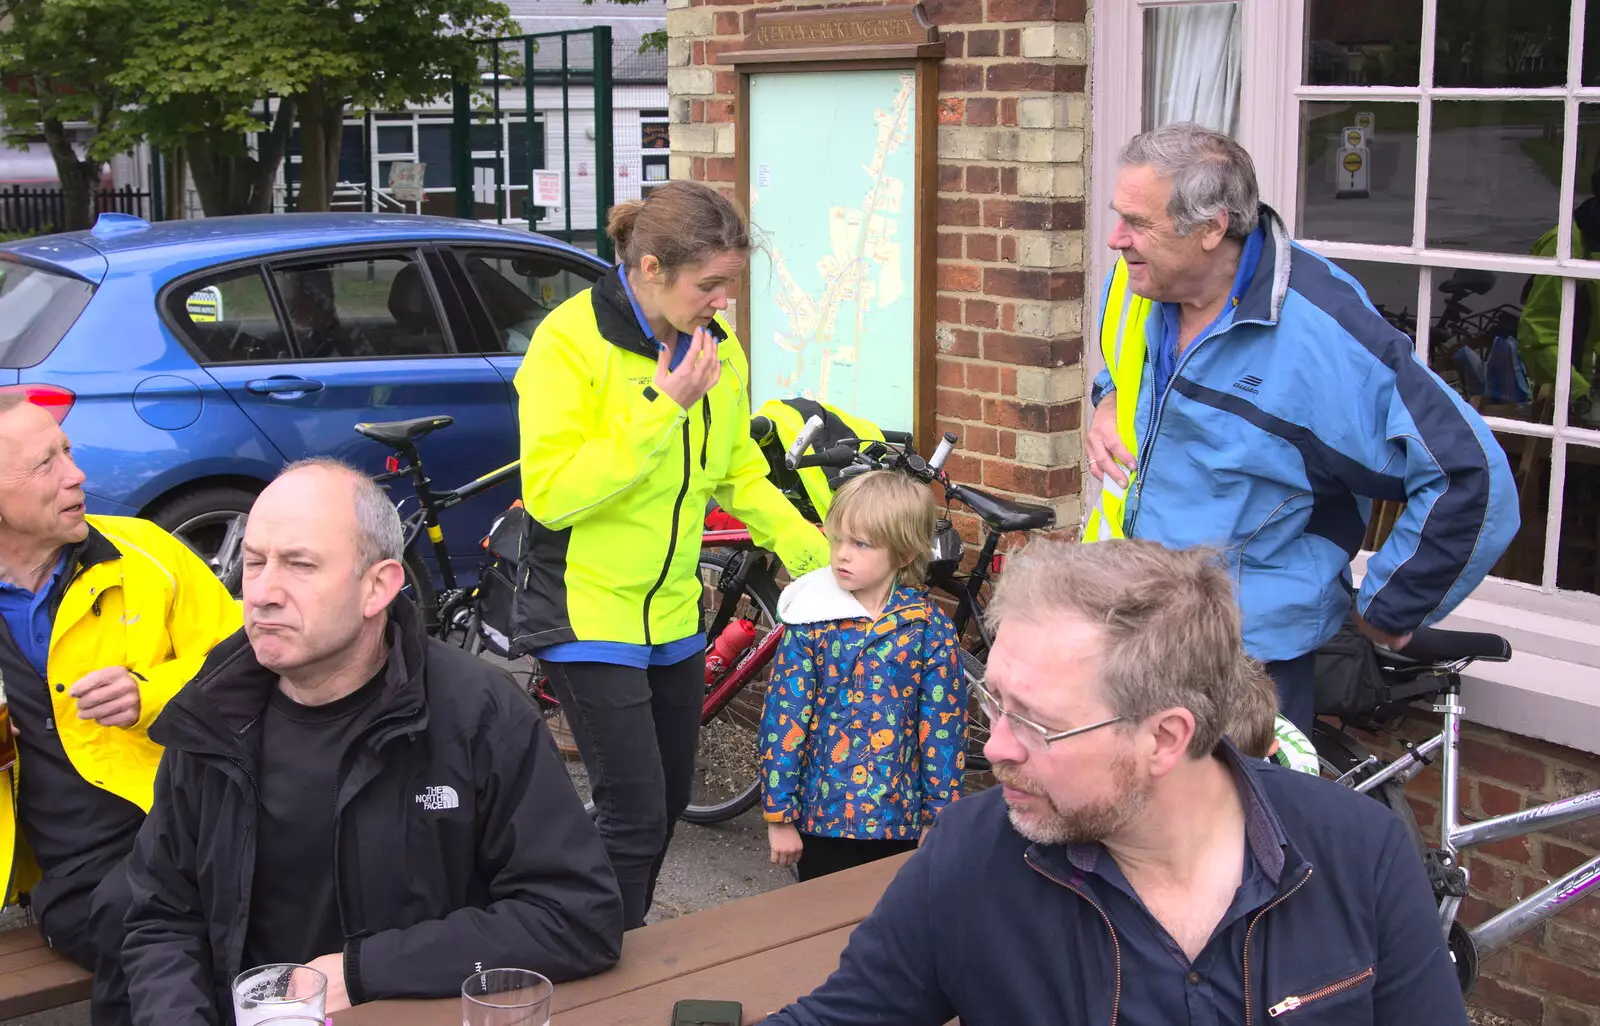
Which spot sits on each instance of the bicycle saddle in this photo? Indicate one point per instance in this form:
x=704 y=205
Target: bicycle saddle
x=399 y=432
x=1430 y=645
x=1003 y=514
x=1468 y=283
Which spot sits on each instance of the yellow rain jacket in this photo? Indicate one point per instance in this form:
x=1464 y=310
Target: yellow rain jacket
x=136 y=597
x=617 y=478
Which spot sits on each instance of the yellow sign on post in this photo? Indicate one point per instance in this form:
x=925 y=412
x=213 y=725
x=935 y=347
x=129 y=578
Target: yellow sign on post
x=1354 y=164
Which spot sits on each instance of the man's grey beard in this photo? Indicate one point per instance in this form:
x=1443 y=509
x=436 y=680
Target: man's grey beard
x=1085 y=824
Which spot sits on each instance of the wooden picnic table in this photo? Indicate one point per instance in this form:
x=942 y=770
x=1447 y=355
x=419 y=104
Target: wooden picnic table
x=763 y=951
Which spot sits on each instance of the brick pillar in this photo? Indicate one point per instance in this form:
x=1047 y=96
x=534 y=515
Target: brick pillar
x=1013 y=126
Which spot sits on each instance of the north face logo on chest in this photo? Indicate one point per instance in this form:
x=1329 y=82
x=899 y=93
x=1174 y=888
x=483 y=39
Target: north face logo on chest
x=440 y=797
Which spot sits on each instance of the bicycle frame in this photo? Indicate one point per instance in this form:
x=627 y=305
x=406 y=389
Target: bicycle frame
x=1500 y=930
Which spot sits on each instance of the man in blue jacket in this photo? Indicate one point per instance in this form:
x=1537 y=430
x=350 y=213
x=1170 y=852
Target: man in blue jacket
x=1134 y=869
x=1254 y=401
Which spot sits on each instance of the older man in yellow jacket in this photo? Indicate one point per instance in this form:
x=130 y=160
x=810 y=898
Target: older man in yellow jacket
x=102 y=621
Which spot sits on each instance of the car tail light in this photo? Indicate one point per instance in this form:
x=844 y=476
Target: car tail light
x=53 y=399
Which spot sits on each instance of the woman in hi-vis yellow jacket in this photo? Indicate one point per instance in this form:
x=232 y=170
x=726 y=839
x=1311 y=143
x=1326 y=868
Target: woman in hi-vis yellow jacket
x=635 y=411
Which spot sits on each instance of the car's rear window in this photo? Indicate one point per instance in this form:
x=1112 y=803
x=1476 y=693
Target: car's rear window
x=36 y=309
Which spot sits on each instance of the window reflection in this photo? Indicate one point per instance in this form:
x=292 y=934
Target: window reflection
x=1475 y=341
x=1488 y=44
x=1362 y=42
x=1392 y=288
x=1363 y=193
x=1578 y=555
x=1494 y=174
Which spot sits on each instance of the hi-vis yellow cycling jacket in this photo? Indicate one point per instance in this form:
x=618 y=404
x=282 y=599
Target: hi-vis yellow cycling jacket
x=135 y=597
x=617 y=478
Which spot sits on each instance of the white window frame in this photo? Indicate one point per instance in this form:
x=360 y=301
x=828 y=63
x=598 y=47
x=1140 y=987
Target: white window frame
x=1551 y=689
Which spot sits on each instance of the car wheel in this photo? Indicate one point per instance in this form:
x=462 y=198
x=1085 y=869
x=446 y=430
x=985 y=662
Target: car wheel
x=211 y=522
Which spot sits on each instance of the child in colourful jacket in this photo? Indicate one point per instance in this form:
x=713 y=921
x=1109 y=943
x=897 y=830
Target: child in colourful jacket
x=863 y=737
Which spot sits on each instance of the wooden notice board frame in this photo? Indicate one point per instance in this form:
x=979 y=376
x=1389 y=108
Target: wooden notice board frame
x=896 y=37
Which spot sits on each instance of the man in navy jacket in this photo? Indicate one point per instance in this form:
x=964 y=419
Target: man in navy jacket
x=1134 y=868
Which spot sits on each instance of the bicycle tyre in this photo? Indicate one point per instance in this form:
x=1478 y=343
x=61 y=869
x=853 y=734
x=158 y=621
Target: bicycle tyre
x=724 y=734
x=419 y=588
x=1338 y=753
x=977 y=776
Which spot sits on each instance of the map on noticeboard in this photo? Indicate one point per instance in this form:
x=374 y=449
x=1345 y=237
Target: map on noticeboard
x=832 y=304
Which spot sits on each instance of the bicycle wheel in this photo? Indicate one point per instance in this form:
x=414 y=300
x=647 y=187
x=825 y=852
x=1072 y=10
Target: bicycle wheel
x=419 y=588
x=977 y=777
x=1338 y=753
x=727 y=767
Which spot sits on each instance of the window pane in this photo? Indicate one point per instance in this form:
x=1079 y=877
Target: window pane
x=485 y=137
x=352 y=162
x=1361 y=193
x=1491 y=183
x=361 y=308
x=1486 y=45
x=1392 y=288
x=1578 y=555
x=1191 y=65
x=394 y=138
x=1362 y=42
x=229 y=318
x=1585 y=186
x=1591 y=43
x=1529 y=458
x=519 y=289
x=433 y=148
x=1483 y=325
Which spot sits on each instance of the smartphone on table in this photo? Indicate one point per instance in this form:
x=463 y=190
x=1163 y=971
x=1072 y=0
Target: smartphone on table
x=707 y=1013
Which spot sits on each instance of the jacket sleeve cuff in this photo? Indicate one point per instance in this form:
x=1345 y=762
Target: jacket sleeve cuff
x=352 y=972
x=1103 y=386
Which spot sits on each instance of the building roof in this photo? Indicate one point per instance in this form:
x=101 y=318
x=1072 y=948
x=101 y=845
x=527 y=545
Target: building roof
x=629 y=23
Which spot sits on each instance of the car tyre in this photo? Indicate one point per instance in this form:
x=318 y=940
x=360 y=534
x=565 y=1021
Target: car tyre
x=201 y=520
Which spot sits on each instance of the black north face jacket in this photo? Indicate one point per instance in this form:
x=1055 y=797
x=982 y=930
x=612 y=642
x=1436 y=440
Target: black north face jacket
x=512 y=872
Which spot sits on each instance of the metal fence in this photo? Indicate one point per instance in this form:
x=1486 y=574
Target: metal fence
x=44 y=209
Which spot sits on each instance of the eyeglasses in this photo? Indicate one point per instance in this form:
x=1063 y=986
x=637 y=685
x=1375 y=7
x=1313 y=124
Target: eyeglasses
x=1033 y=737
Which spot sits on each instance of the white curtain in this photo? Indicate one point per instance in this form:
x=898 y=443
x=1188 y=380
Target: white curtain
x=1191 y=66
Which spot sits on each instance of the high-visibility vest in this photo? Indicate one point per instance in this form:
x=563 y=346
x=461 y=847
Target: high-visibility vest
x=1122 y=346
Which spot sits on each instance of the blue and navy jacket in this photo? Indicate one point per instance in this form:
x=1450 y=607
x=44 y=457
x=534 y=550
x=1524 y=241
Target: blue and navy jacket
x=1277 y=432
x=982 y=925
x=864 y=730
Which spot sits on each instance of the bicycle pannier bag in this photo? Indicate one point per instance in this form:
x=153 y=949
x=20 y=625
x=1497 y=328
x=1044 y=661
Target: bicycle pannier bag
x=1349 y=682
x=501 y=591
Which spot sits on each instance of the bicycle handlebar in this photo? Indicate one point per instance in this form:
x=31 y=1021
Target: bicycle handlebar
x=802 y=442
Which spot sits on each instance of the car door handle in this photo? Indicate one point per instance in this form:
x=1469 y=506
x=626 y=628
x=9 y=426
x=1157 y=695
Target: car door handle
x=284 y=386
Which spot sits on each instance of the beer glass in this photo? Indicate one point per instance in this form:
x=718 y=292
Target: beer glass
x=270 y=992
x=506 y=997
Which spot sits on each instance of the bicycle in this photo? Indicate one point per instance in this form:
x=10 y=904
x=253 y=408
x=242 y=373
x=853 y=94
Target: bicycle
x=748 y=570
x=1430 y=669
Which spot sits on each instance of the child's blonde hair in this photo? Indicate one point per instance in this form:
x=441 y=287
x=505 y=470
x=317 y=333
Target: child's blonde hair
x=1253 y=725
x=889 y=509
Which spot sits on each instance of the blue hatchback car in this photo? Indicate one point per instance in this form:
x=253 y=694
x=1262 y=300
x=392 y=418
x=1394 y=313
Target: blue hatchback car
x=190 y=360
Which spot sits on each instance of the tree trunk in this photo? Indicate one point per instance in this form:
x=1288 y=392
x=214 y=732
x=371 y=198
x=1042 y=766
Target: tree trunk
x=79 y=178
x=321 y=131
x=211 y=176
x=270 y=146
x=175 y=179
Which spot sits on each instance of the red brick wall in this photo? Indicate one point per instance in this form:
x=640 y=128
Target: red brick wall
x=1010 y=231
x=1551 y=977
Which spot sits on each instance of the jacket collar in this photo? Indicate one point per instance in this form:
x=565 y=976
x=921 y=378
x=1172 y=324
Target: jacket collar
x=1277 y=856
x=214 y=712
x=1263 y=298
x=94 y=550
x=817 y=598
x=614 y=316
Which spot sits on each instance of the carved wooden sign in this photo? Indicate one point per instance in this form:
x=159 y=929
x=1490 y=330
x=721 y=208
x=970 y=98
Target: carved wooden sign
x=900 y=30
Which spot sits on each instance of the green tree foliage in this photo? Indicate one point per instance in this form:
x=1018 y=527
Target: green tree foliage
x=55 y=65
